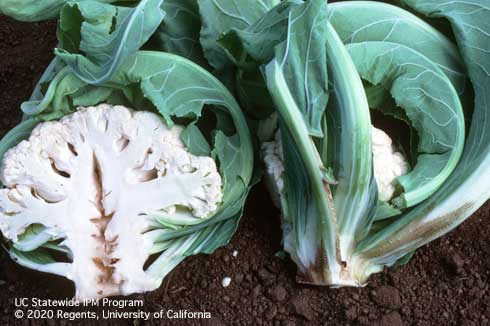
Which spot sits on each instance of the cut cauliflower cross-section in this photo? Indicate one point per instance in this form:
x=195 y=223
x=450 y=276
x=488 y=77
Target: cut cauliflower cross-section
x=91 y=178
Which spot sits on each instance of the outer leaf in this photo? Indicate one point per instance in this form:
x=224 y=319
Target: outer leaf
x=467 y=188
x=360 y=21
x=258 y=40
x=219 y=16
x=311 y=236
x=179 y=32
x=53 y=68
x=96 y=37
x=195 y=141
x=302 y=60
x=34 y=237
x=350 y=155
x=34 y=10
x=40 y=260
x=253 y=45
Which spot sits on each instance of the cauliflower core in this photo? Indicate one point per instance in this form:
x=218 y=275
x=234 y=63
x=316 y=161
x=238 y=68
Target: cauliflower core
x=274 y=158
x=388 y=165
x=90 y=178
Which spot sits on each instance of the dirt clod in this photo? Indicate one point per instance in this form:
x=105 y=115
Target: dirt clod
x=391 y=319
x=278 y=293
x=266 y=277
x=351 y=313
x=387 y=297
x=301 y=307
x=455 y=263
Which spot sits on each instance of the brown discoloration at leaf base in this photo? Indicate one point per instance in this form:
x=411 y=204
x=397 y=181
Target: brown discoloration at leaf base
x=417 y=234
x=316 y=274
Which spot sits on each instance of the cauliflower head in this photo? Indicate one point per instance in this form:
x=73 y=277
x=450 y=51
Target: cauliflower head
x=91 y=178
x=388 y=164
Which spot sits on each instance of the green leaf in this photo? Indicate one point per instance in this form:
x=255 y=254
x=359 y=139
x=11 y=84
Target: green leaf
x=34 y=10
x=259 y=39
x=310 y=231
x=195 y=141
x=40 y=260
x=431 y=104
x=219 y=16
x=385 y=210
x=95 y=38
x=51 y=71
x=361 y=21
x=253 y=94
x=302 y=60
x=179 y=32
x=33 y=237
x=349 y=153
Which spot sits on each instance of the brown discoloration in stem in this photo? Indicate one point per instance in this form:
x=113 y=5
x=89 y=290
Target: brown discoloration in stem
x=104 y=262
x=319 y=273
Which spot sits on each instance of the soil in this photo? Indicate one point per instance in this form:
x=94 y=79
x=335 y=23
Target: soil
x=446 y=283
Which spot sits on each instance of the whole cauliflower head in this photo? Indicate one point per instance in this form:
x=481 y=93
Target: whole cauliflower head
x=91 y=178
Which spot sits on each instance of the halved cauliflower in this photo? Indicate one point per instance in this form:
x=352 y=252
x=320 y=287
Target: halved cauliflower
x=91 y=178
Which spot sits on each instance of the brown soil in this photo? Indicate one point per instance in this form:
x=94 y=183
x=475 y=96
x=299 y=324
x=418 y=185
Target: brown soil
x=446 y=283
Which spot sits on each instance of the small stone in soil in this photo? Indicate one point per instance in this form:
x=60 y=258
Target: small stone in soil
x=226 y=282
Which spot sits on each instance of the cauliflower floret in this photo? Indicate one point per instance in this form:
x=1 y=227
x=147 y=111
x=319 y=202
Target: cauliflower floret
x=388 y=165
x=92 y=177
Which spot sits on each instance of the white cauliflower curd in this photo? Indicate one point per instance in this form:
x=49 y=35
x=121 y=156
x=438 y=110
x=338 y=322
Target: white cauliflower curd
x=388 y=165
x=90 y=178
